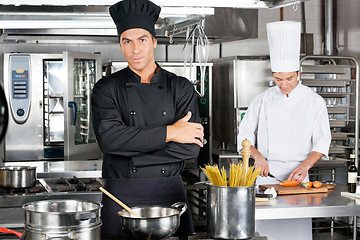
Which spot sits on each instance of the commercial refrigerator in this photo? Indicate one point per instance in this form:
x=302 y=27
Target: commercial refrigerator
x=236 y=81
x=49 y=102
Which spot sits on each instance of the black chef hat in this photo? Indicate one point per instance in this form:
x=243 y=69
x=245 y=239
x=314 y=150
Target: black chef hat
x=128 y=14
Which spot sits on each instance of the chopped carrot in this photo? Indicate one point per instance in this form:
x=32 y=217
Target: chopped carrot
x=317 y=184
x=308 y=184
x=289 y=183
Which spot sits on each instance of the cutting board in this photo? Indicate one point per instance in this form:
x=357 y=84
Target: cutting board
x=299 y=189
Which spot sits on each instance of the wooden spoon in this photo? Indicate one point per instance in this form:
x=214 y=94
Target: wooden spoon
x=119 y=202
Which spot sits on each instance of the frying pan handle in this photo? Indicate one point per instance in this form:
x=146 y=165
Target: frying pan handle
x=4 y=114
x=181 y=206
x=5 y=230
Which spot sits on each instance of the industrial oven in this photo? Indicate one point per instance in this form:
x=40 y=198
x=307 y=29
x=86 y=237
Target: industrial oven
x=49 y=103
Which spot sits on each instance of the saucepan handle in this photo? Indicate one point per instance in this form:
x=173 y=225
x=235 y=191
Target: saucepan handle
x=70 y=236
x=181 y=206
x=5 y=230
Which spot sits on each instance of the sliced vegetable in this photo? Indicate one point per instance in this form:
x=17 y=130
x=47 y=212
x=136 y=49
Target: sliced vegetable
x=317 y=184
x=289 y=183
x=308 y=184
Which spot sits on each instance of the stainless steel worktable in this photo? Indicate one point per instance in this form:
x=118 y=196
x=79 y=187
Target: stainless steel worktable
x=330 y=204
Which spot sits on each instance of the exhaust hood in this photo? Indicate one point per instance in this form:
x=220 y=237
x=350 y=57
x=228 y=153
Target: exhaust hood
x=168 y=3
x=88 y=21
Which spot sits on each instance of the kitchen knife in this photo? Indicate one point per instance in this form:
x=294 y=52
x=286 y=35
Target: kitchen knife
x=272 y=176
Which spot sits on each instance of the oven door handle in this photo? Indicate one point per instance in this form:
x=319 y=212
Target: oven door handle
x=72 y=105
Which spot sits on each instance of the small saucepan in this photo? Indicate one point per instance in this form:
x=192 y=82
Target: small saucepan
x=156 y=222
x=17 y=176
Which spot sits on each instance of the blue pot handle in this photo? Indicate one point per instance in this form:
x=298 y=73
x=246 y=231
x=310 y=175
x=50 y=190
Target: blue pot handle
x=74 y=111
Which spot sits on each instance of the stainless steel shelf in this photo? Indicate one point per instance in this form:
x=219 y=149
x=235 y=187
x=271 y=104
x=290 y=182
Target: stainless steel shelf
x=326 y=69
x=339 y=123
x=341 y=135
x=334 y=94
x=325 y=82
x=338 y=110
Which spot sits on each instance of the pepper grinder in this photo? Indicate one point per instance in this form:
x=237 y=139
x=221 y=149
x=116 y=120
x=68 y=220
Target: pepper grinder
x=245 y=152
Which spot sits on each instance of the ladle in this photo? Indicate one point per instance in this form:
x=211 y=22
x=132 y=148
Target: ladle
x=119 y=202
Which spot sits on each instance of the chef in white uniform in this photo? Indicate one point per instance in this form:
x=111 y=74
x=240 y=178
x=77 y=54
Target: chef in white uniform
x=289 y=126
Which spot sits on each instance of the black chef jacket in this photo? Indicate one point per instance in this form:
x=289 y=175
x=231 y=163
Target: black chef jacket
x=130 y=120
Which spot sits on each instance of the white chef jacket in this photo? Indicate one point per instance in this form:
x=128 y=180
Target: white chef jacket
x=286 y=129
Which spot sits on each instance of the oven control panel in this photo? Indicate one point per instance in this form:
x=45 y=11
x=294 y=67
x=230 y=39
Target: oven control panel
x=20 y=98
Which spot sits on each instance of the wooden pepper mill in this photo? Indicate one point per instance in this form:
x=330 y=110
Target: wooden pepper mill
x=245 y=152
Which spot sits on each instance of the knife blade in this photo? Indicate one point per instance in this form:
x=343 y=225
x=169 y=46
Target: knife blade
x=272 y=176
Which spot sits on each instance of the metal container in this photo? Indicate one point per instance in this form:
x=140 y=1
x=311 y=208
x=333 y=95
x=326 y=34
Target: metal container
x=230 y=212
x=17 y=177
x=156 y=222
x=62 y=219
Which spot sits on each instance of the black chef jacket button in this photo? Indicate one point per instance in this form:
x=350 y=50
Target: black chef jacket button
x=132 y=113
x=163 y=171
x=164 y=113
x=134 y=170
x=128 y=85
x=160 y=87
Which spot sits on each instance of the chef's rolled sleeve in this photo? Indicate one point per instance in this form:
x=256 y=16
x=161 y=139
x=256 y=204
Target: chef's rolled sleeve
x=321 y=135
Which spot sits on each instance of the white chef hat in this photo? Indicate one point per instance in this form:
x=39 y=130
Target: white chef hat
x=284 y=45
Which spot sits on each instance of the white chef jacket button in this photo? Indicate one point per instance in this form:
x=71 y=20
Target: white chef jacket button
x=132 y=113
x=163 y=171
x=134 y=170
x=128 y=85
x=164 y=113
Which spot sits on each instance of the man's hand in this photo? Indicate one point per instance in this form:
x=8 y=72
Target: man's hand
x=299 y=173
x=263 y=164
x=184 y=131
x=260 y=161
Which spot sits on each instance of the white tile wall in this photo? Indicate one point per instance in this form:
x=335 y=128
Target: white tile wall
x=348 y=28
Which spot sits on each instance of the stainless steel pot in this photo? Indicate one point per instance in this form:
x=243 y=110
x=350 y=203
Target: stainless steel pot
x=156 y=222
x=17 y=177
x=230 y=212
x=62 y=219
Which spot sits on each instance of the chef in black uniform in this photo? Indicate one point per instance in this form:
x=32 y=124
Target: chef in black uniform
x=146 y=121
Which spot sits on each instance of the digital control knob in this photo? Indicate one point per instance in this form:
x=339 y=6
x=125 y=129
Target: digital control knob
x=20 y=112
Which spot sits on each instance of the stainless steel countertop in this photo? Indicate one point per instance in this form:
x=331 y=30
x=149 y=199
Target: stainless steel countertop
x=330 y=204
